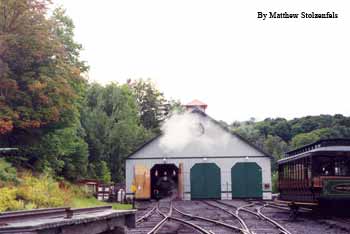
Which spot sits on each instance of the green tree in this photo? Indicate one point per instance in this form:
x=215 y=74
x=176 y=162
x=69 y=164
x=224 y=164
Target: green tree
x=276 y=147
x=304 y=139
x=153 y=107
x=113 y=128
x=103 y=172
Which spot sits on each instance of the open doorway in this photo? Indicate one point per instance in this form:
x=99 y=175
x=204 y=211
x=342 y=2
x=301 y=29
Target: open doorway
x=164 y=181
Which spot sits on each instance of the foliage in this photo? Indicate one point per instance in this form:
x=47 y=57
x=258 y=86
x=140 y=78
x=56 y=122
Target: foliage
x=304 y=139
x=104 y=172
x=279 y=135
x=36 y=73
x=152 y=105
x=64 y=151
x=276 y=147
x=8 y=200
x=113 y=130
x=42 y=191
x=41 y=88
x=8 y=173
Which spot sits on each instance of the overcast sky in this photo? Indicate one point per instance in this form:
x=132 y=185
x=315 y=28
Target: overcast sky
x=219 y=52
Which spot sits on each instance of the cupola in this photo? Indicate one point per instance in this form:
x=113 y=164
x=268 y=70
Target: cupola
x=196 y=104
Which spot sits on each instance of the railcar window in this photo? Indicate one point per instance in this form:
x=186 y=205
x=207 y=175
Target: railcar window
x=342 y=166
x=332 y=166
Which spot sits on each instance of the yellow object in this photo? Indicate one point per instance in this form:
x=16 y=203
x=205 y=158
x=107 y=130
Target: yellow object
x=142 y=182
x=133 y=188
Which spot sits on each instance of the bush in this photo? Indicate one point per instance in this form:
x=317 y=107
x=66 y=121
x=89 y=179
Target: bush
x=42 y=191
x=7 y=172
x=8 y=200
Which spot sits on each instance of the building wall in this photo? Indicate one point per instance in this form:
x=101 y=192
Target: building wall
x=225 y=164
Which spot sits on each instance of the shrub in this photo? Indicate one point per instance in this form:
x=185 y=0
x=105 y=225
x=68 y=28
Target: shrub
x=42 y=191
x=8 y=200
x=7 y=172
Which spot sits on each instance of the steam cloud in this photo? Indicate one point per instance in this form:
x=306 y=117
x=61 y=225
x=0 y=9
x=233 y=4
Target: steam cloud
x=182 y=129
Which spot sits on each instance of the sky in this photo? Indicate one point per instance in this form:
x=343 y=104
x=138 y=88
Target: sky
x=220 y=52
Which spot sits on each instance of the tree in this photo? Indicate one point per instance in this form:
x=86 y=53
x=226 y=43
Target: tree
x=304 y=139
x=279 y=135
x=41 y=88
x=276 y=147
x=113 y=128
x=282 y=129
x=153 y=107
x=36 y=73
x=63 y=151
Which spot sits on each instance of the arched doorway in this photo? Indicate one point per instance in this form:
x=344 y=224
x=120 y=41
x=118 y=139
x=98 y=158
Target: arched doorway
x=164 y=180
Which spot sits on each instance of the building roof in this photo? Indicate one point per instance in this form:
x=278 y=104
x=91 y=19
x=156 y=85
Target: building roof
x=197 y=110
x=196 y=102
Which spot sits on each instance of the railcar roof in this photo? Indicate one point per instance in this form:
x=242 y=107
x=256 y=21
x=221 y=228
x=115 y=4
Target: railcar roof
x=339 y=145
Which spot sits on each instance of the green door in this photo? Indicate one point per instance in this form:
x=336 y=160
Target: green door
x=205 y=181
x=246 y=180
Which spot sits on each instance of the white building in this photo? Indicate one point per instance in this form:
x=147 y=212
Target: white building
x=205 y=160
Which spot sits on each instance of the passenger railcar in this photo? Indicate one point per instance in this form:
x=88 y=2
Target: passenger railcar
x=317 y=174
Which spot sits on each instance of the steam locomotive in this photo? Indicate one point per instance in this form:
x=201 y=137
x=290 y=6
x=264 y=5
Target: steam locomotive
x=164 y=184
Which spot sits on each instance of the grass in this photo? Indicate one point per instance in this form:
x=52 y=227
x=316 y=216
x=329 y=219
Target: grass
x=89 y=202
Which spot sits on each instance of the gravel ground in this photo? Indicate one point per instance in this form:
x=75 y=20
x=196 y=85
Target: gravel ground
x=306 y=223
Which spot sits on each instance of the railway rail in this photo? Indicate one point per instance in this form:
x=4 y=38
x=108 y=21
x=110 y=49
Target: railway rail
x=234 y=216
x=200 y=224
x=166 y=212
x=257 y=213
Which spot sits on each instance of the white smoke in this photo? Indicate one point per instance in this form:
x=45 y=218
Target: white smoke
x=182 y=129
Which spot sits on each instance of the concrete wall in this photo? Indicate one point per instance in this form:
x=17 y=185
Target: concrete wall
x=225 y=165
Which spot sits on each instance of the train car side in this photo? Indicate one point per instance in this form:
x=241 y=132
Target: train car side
x=317 y=174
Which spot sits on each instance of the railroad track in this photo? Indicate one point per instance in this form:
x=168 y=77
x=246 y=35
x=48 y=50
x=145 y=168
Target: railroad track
x=259 y=225
x=244 y=227
x=168 y=214
x=210 y=219
x=160 y=218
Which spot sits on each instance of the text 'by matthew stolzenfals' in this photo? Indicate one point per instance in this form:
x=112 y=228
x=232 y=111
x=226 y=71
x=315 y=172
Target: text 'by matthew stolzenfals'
x=301 y=15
